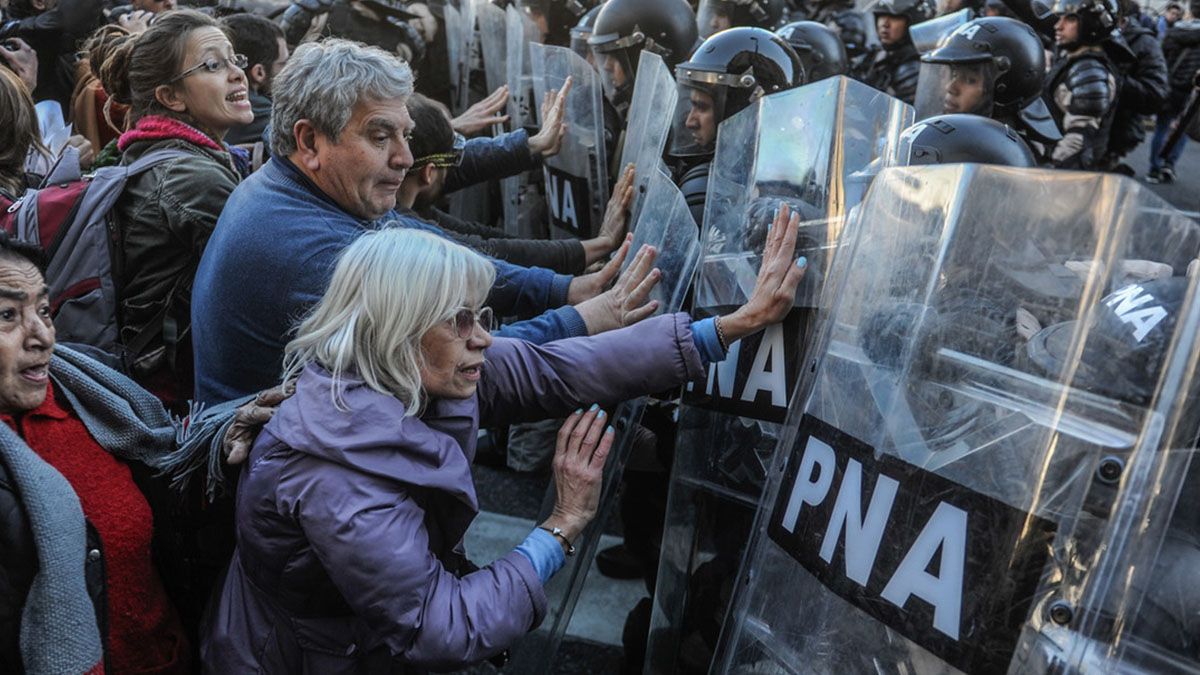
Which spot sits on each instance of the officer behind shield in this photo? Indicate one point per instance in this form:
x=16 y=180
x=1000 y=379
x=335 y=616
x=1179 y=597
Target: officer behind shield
x=582 y=31
x=1083 y=84
x=895 y=68
x=556 y=19
x=728 y=72
x=994 y=67
x=625 y=27
x=821 y=52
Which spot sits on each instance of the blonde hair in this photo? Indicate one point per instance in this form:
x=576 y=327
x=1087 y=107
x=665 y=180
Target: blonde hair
x=19 y=133
x=388 y=289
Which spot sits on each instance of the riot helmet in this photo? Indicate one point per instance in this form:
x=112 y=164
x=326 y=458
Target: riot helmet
x=821 y=52
x=1095 y=19
x=996 y=8
x=558 y=16
x=582 y=31
x=912 y=11
x=625 y=27
x=728 y=72
x=714 y=16
x=851 y=28
x=952 y=139
x=988 y=65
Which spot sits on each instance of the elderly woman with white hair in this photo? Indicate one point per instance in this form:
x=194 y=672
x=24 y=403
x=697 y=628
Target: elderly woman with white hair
x=354 y=501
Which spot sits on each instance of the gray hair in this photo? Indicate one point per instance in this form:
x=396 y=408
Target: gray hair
x=389 y=288
x=323 y=81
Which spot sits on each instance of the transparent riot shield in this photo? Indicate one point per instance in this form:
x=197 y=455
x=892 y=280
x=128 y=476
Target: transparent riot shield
x=667 y=224
x=455 y=40
x=523 y=205
x=467 y=54
x=928 y=35
x=813 y=148
x=647 y=128
x=492 y=43
x=577 y=177
x=983 y=475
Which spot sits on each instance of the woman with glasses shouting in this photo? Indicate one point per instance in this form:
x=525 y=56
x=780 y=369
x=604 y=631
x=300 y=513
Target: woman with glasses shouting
x=354 y=501
x=186 y=89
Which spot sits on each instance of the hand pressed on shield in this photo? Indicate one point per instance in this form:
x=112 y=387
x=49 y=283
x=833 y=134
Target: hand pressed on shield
x=582 y=447
x=249 y=419
x=548 y=141
x=616 y=217
x=775 y=290
x=628 y=301
x=483 y=114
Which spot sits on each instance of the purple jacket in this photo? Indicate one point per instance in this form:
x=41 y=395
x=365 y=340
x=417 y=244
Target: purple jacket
x=350 y=523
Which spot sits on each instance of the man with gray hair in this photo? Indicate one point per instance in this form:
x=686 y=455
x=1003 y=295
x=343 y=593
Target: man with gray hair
x=339 y=138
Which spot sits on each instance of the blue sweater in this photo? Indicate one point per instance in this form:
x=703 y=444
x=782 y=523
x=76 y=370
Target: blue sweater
x=270 y=259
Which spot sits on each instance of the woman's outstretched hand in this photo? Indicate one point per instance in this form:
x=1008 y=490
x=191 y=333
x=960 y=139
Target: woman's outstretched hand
x=778 y=277
x=582 y=448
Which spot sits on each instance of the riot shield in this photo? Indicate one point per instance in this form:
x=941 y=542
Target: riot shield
x=928 y=35
x=577 y=177
x=492 y=43
x=983 y=475
x=522 y=203
x=647 y=128
x=467 y=55
x=455 y=40
x=812 y=148
x=667 y=224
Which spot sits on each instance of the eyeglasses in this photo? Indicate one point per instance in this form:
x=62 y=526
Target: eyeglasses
x=445 y=160
x=464 y=321
x=215 y=64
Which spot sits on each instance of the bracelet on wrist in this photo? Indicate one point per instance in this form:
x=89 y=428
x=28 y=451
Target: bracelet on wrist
x=721 y=334
x=568 y=547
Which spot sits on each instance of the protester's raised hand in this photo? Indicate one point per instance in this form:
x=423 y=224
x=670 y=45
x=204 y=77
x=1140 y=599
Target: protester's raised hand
x=778 y=277
x=22 y=60
x=628 y=301
x=616 y=215
x=582 y=447
x=483 y=114
x=249 y=419
x=548 y=141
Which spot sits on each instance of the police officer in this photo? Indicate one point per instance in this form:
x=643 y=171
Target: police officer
x=381 y=23
x=895 y=68
x=1083 y=84
x=848 y=24
x=995 y=67
x=728 y=72
x=582 y=31
x=821 y=52
x=1144 y=89
x=714 y=16
x=556 y=18
x=625 y=27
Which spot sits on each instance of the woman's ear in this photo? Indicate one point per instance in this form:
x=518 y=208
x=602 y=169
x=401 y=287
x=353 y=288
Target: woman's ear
x=169 y=98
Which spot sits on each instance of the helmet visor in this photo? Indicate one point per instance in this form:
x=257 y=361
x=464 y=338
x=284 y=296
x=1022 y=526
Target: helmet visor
x=697 y=117
x=579 y=44
x=945 y=88
x=615 y=74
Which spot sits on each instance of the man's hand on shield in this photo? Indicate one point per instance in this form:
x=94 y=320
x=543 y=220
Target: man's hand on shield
x=616 y=218
x=628 y=301
x=775 y=290
x=483 y=114
x=548 y=141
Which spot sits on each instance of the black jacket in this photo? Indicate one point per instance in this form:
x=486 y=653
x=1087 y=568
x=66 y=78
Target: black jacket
x=1181 y=48
x=1143 y=90
x=895 y=72
x=565 y=256
x=55 y=35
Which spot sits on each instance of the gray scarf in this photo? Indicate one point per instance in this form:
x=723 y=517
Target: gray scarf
x=58 y=627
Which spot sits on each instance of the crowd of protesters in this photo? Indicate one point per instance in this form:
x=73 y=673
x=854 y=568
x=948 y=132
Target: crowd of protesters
x=266 y=468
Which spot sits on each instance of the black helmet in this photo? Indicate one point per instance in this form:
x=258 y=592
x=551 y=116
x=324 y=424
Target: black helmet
x=915 y=11
x=583 y=31
x=1097 y=18
x=737 y=65
x=821 y=52
x=1011 y=46
x=851 y=28
x=951 y=139
x=714 y=16
x=561 y=16
x=626 y=27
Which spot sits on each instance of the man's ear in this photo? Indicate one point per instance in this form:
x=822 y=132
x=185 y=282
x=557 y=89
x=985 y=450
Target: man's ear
x=307 y=141
x=168 y=97
x=426 y=174
x=257 y=75
x=38 y=5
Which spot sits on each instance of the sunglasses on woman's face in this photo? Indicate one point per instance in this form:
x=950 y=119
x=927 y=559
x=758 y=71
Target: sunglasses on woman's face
x=465 y=319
